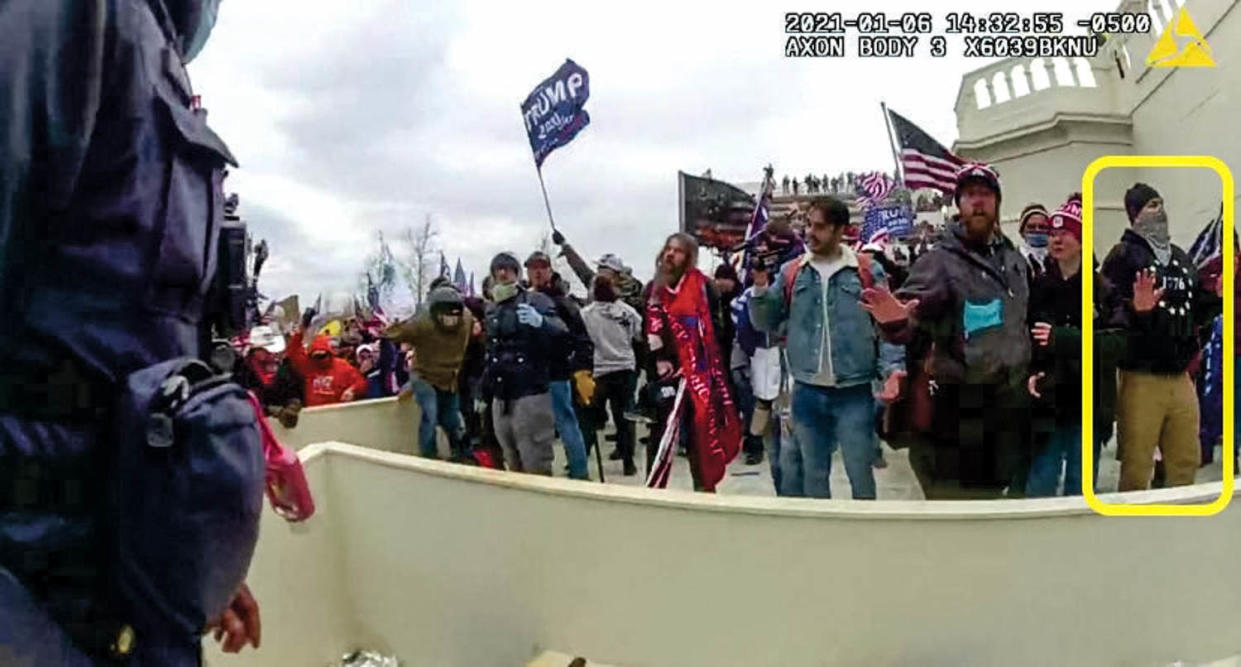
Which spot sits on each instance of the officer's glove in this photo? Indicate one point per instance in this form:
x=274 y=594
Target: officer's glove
x=585 y=387
x=527 y=315
x=557 y=238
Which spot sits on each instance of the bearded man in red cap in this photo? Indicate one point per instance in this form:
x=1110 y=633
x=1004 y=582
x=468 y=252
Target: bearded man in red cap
x=969 y=295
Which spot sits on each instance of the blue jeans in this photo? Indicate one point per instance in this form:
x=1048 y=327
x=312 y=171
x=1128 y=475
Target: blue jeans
x=772 y=442
x=825 y=418
x=570 y=431
x=1063 y=449
x=442 y=408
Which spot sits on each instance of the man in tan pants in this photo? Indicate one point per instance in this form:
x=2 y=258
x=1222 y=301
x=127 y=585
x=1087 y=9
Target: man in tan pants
x=1160 y=305
x=1157 y=411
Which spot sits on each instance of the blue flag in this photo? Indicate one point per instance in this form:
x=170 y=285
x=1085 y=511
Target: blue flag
x=554 y=112
x=888 y=221
x=458 y=277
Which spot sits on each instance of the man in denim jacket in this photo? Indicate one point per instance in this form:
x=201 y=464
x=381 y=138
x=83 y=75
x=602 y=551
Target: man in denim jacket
x=834 y=354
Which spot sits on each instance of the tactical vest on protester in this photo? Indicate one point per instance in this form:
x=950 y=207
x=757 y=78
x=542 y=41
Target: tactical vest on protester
x=107 y=269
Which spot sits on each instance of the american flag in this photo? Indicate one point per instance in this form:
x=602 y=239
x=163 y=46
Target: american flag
x=1209 y=243
x=758 y=222
x=874 y=230
x=927 y=164
x=873 y=188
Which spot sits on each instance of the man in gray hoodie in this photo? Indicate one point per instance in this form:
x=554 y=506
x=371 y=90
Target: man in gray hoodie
x=614 y=326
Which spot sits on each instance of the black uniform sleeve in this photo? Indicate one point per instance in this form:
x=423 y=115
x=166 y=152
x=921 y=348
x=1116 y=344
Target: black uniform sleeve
x=52 y=65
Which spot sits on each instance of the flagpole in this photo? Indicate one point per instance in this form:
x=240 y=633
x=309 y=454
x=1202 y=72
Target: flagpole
x=546 y=201
x=896 y=157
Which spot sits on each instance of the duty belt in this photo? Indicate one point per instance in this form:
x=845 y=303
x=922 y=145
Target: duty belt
x=65 y=395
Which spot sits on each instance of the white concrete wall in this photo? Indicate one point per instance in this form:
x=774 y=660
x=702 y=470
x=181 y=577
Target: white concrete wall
x=1194 y=111
x=451 y=565
x=385 y=424
x=301 y=584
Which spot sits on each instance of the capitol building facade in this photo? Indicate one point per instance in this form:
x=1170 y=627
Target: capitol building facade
x=1041 y=122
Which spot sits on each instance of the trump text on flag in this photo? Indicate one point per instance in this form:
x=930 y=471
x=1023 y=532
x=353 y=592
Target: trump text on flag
x=553 y=112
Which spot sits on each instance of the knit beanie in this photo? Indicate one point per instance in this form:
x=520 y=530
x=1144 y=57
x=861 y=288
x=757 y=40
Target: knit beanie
x=1069 y=217
x=1137 y=197
x=1029 y=211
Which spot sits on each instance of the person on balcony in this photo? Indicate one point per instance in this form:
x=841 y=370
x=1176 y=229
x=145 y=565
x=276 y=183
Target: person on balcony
x=439 y=336
x=833 y=353
x=1160 y=305
x=970 y=295
x=524 y=333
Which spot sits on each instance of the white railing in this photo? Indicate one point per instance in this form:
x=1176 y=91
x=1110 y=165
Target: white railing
x=1013 y=79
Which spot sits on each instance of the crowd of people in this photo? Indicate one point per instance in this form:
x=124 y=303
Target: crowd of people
x=964 y=348
x=815 y=184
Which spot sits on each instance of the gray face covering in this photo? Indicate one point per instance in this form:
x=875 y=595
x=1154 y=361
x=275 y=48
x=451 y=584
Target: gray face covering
x=1154 y=228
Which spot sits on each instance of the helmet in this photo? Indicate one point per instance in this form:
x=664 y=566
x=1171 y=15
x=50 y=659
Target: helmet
x=505 y=260
x=445 y=299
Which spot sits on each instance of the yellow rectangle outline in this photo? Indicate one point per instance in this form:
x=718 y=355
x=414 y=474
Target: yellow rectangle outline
x=1088 y=179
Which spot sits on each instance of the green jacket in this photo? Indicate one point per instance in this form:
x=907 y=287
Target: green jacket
x=438 y=353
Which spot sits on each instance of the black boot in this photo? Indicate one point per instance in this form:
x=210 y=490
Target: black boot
x=630 y=468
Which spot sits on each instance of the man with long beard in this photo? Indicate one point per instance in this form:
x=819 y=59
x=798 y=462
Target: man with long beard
x=682 y=337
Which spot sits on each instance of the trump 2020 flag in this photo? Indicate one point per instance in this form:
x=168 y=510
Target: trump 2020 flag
x=554 y=112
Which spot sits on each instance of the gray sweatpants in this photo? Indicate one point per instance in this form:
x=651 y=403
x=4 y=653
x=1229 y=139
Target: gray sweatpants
x=526 y=431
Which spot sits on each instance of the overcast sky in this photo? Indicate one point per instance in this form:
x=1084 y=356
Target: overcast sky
x=354 y=117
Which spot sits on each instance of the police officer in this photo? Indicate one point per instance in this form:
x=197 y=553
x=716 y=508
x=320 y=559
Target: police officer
x=110 y=209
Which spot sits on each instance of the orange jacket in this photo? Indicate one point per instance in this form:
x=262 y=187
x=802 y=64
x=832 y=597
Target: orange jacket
x=326 y=379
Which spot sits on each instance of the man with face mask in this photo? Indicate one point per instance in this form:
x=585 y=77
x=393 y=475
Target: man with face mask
x=1035 y=240
x=104 y=269
x=524 y=334
x=328 y=378
x=1160 y=304
x=969 y=294
x=439 y=335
